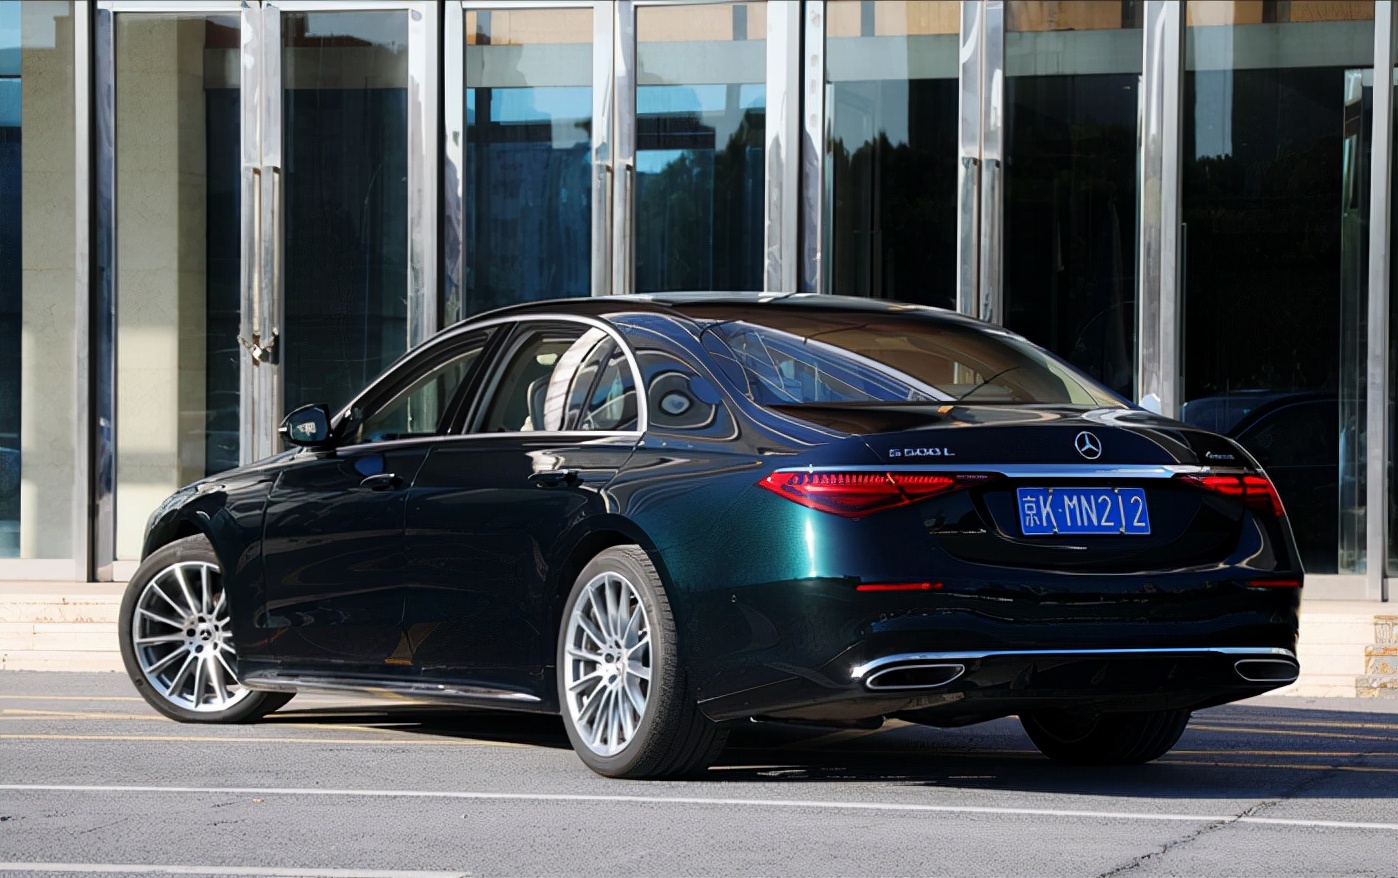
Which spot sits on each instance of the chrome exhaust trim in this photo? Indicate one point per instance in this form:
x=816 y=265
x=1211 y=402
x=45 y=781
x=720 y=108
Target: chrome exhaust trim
x=913 y=676
x=1267 y=670
x=1241 y=653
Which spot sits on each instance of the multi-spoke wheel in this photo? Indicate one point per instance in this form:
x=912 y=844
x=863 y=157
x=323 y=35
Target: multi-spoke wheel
x=177 y=639
x=626 y=704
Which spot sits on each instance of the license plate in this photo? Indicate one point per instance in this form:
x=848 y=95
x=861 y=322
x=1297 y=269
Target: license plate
x=1048 y=511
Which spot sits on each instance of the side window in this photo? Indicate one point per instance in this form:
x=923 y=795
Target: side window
x=417 y=409
x=562 y=377
x=611 y=402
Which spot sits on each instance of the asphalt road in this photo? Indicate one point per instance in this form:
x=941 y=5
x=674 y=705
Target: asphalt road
x=94 y=782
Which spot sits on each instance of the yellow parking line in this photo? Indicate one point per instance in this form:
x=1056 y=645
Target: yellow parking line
x=473 y=742
x=1298 y=732
x=1320 y=724
x=69 y=698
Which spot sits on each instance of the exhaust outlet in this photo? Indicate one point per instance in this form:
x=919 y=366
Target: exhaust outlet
x=1266 y=670
x=914 y=676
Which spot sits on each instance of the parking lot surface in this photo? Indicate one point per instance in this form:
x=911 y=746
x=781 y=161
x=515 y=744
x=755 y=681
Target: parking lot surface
x=94 y=782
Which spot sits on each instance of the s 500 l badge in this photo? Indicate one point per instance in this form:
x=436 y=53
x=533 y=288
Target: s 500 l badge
x=921 y=452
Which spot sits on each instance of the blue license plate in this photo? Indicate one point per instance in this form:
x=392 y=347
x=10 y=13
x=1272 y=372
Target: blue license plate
x=1048 y=511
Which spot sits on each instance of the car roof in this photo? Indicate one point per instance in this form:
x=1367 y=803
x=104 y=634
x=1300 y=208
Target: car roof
x=692 y=305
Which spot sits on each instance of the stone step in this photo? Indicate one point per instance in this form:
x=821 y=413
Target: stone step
x=41 y=636
x=1377 y=687
x=39 y=607
x=1381 y=660
x=1314 y=685
x=1386 y=630
x=60 y=660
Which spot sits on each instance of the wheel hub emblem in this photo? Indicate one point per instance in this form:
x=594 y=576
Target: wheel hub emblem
x=1088 y=445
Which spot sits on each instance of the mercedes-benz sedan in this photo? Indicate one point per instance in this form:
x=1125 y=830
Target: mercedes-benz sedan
x=656 y=516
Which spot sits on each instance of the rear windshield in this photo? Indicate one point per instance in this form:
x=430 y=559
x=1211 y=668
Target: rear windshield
x=833 y=358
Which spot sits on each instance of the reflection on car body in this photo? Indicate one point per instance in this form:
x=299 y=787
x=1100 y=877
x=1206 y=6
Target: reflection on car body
x=659 y=515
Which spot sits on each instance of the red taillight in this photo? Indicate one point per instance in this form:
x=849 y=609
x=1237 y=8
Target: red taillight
x=1256 y=491
x=897 y=586
x=1274 y=583
x=857 y=494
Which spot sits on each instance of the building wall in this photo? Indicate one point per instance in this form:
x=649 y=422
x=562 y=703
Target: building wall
x=667 y=170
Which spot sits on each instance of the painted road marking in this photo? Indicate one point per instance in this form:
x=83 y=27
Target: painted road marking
x=130 y=868
x=378 y=742
x=785 y=804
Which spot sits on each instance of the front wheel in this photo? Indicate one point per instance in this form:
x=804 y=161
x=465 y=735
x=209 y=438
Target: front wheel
x=177 y=640
x=626 y=701
x=1083 y=737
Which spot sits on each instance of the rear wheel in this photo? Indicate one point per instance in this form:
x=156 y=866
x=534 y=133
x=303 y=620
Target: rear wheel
x=177 y=640
x=1087 y=738
x=626 y=700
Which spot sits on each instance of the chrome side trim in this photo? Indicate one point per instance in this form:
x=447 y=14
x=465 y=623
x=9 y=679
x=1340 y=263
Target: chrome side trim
x=859 y=671
x=268 y=681
x=1027 y=470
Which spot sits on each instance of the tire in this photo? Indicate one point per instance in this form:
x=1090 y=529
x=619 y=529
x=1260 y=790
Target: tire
x=1086 y=738
x=184 y=665
x=620 y=724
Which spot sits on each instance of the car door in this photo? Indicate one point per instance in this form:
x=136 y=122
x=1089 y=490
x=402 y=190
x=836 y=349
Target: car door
x=333 y=541
x=492 y=508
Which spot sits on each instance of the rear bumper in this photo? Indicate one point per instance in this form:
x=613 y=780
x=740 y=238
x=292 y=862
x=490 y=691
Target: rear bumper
x=960 y=687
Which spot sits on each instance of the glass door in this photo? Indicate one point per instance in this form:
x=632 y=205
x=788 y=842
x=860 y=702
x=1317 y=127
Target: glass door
x=691 y=136
x=168 y=213
x=266 y=219
x=342 y=185
x=527 y=158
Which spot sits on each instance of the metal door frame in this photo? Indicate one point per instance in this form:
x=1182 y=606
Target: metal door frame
x=262 y=297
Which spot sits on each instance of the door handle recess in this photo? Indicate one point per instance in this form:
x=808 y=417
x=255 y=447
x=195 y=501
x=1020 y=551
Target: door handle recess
x=554 y=478
x=381 y=482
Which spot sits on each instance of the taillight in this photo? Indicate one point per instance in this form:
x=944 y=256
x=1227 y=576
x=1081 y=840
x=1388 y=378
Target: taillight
x=1256 y=491
x=857 y=494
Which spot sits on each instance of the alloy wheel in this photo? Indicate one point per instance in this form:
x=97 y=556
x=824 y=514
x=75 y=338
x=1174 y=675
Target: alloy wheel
x=607 y=672
x=181 y=634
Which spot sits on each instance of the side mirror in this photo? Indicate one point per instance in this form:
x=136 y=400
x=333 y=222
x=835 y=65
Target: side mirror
x=308 y=426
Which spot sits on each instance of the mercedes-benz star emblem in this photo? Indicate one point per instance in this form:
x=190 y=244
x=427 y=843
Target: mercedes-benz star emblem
x=1088 y=445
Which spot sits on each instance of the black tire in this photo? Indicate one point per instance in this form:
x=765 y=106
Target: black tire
x=187 y=554
x=673 y=738
x=1086 y=738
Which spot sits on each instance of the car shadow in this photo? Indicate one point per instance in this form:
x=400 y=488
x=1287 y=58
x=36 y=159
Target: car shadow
x=1236 y=751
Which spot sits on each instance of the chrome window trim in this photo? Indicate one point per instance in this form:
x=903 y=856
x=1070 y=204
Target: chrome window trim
x=1027 y=470
x=859 y=671
x=642 y=401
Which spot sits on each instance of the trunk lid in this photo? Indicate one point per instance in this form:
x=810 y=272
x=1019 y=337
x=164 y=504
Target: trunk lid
x=1115 y=459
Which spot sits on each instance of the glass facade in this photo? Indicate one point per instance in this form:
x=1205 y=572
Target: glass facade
x=38 y=407
x=700 y=123
x=1274 y=190
x=1072 y=83
x=891 y=99
x=292 y=198
x=528 y=155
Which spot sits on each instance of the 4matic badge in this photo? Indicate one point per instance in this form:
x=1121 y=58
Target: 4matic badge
x=921 y=452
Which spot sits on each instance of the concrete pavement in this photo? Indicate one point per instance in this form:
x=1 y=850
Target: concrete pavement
x=92 y=781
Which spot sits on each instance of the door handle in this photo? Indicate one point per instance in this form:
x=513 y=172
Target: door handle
x=554 y=478
x=381 y=482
